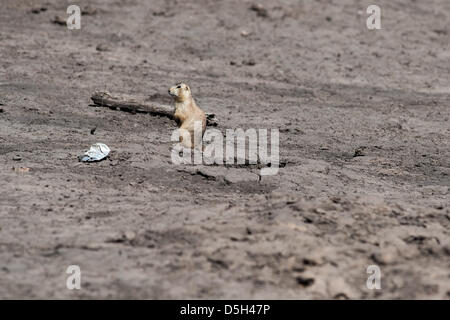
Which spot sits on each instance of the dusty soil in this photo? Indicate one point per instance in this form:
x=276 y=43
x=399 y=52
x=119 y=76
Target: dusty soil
x=140 y=226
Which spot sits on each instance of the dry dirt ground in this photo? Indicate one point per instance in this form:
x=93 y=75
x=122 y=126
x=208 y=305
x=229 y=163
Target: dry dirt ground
x=140 y=226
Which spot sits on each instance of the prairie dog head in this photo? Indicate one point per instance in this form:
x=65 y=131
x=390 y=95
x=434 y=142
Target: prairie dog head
x=180 y=92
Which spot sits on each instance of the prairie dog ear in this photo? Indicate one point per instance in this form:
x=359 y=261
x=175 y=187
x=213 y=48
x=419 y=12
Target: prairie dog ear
x=187 y=88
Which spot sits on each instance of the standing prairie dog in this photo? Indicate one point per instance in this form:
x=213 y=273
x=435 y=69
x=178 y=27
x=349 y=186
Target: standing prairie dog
x=188 y=115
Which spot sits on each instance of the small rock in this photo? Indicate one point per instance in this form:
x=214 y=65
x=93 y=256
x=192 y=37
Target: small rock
x=102 y=47
x=336 y=199
x=304 y=281
x=38 y=10
x=159 y=13
x=92 y=246
x=260 y=10
x=249 y=62
x=130 y=235
x=314 y=259
x=320 y=211
x=88 y=11
x=440 y=31
x=359 y=152
x=385 y=256
x=208 y=174
x=60 y=21
x=17 y=158
x=245 y=33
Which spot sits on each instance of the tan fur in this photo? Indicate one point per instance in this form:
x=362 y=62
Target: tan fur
x=187 y=113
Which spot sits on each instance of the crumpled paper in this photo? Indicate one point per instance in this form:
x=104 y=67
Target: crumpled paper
x=97 y=152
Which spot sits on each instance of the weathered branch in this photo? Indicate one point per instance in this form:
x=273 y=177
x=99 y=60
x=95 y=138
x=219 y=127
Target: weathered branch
x=105 y=99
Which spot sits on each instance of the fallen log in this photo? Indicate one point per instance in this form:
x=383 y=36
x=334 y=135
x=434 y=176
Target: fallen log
x=105 y=99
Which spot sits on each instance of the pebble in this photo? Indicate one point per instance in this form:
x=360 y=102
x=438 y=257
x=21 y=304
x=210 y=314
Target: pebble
x=130 y=235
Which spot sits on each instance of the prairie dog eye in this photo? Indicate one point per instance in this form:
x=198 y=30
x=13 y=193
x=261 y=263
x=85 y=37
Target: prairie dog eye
x=178 y=87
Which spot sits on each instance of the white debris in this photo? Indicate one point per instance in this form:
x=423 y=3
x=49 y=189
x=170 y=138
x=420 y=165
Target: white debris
x=97 y=152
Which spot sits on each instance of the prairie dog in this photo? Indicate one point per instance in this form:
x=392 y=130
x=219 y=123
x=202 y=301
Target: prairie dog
x=187 y=114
